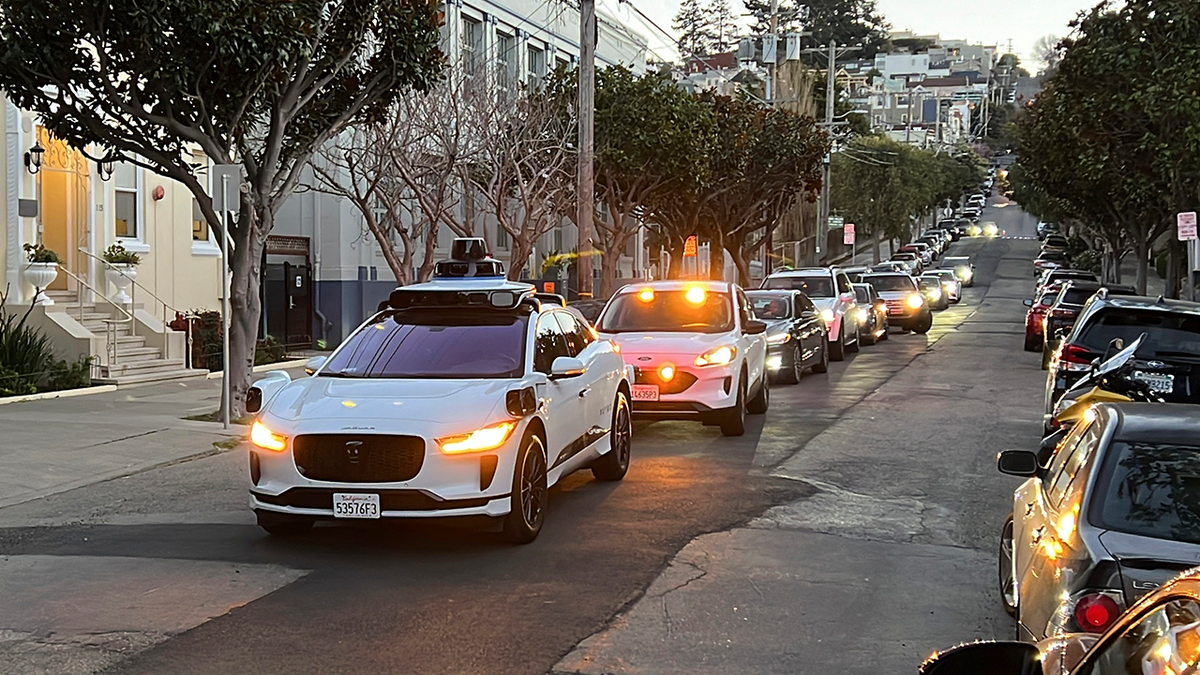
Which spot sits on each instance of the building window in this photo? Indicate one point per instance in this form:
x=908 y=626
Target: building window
x=537 y=66
x=506 y=47
x=472 y=43
x=501 y=238
x=125 y=182
x=202 y=170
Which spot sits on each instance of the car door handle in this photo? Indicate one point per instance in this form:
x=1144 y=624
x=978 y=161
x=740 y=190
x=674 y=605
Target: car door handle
x=584 y=392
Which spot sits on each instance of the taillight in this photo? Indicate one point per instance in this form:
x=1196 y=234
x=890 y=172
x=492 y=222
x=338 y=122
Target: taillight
x=1074 y=357
x=1095 y=612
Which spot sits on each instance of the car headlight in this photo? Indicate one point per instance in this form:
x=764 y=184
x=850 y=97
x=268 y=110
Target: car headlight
x=266 y=439
x=487 y=438
x=915 y=301
x=935 y=294
x=862 y=315
x=779 y=339
x=827 y=316
x=966 y=273
x=720 y=356
x=947 y=285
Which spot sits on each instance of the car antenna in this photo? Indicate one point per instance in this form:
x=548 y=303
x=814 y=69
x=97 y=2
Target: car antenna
x=1161 y=300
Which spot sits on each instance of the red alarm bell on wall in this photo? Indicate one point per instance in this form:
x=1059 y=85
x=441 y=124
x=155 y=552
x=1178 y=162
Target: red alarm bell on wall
x=159 y=193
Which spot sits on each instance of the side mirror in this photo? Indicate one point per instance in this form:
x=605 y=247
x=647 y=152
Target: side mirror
x=1018 y=463
x=985 y=658
x=520 y=402
x=1060 y=333
x=1028 y=302
x=755 y=327
x=314 y=364
x=254 y=399
x=566 y=366
x=808 y=314
x=265 y=388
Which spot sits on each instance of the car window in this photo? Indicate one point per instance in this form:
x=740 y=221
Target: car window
x=549 y=344
x=1164 y=641
x=578 y=337
x=667 y=311
x=770 y=307
x=1073 y=459
x=862 y=294
x=1150 y=489
x=804 y=304
x=744 y=309
x=1166 y=332
x=844 y=284
x=420 y=343
x=812 y=286
x=890 y=282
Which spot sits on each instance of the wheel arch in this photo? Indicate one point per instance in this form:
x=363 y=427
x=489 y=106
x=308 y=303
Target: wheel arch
x=537 y=427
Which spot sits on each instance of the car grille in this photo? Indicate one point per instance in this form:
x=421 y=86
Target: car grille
x=680 y=383
x=358 y=458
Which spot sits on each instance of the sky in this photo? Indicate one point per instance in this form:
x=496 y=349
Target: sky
x=1022 y=21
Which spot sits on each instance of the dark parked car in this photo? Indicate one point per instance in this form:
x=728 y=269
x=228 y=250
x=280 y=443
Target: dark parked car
x=906 y=304
x=1113 y=515
x=796 y=334
x=1160 y=635
x=873 y=314
x=1049 y=260
x=1055 y=242
x=1168 y=360
x=1061 y=274
x=1064 y=310
x=1035 y=318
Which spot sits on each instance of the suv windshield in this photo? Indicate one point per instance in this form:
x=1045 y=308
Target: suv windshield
x=1076 y=296
x=813 y=287
x=890 y=282
x=1166 y=333
x=1152 y=490
x=769 y=306
x=434 y=344
x=667 y=312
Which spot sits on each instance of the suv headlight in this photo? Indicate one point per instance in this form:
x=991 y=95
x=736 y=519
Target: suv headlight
x=480 y=440
x=827 y=316
x=266 y=439
x=915 y=301
x=720 y=356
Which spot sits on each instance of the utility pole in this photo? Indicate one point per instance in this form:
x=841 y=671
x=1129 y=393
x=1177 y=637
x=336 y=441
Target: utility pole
x=831 y=56
x=770 y=242
x=585 y=189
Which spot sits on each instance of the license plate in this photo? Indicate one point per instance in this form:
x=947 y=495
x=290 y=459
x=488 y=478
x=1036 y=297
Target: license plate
x=1159 y=383
x=645 y=392
x=355 y=505
x=893 y=311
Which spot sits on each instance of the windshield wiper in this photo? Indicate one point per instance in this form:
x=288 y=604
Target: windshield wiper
x=342 y=375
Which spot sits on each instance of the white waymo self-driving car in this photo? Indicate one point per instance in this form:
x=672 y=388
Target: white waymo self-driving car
x=464 y=396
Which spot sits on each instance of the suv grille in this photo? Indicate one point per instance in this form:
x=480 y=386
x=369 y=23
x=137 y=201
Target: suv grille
x=351 y=458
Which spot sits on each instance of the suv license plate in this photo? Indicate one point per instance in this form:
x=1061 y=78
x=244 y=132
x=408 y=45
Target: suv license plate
x=355 y=505
x=1159 y=383
x=645 y=392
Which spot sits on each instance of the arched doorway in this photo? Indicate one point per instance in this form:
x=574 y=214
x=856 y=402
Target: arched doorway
x=64 y=193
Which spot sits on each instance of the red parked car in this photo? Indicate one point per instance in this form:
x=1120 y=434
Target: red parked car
x=1035 y=317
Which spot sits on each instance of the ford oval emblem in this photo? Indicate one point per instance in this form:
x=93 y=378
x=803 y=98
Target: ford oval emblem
x=643 y=358
x=1155 y=364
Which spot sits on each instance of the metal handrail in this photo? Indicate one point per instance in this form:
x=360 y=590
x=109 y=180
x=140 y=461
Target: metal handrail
x=189 y=316
x=110 y=325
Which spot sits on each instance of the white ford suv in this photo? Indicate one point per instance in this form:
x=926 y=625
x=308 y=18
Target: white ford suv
x=697 y=351
x=465 y=396
x=831 y=291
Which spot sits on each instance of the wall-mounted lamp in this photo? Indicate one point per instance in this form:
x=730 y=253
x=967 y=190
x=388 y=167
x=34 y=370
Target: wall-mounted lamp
x=105 y=167
x=33 y=158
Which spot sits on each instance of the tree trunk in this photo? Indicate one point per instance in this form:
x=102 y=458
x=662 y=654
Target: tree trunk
x=1141 y=249
x=716 y=261
x=742 y=261
x=608 y=274
x=875 y=248
x=426 y=271
x=245 y=303
x=1174 y=269
x=520 y=255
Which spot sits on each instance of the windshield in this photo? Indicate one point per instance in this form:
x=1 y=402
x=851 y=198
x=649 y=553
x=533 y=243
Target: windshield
x=434 y=344
x=813 y=287
x=1166 y=334
x=1150 y=489
x=770 y=307
x=667 y=312
x=890 y=282
x=862 y=295
x=1076 y=296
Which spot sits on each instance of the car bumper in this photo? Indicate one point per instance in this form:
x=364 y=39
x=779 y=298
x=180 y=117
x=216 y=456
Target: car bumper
x=714 y=389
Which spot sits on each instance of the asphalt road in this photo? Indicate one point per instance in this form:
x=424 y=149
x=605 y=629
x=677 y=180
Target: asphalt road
x=164 y=571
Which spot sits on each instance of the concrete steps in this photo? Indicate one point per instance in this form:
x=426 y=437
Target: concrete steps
x=148 y=375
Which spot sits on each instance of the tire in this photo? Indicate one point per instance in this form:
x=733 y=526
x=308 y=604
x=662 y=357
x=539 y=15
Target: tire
x=887 y=326
x=868 y=340
x=853 y=347
x=282 y=524
x=922 y=327
x=1046 y=354
x=792 y=374
x=733 y=420
x=1007 y=580
x=837 y=351
x=529 y=493
x=762 y=400
x=1032 y=343
x=614 y=464
x=822 y=366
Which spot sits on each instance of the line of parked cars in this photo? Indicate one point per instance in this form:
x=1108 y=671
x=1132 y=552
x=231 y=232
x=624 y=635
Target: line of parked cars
x=1109 y=511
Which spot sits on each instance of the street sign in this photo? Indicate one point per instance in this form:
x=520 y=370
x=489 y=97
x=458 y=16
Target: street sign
x=226 y=187
x=836 y=222
x=689 y=247
x=1187 y=226
x=848 y=234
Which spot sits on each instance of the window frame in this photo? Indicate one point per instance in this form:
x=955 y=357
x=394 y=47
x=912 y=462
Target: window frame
x=204 y=247
x=136 y=243
x=548 y=317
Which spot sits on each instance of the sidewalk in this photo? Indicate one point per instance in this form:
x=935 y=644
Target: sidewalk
x=54 y=445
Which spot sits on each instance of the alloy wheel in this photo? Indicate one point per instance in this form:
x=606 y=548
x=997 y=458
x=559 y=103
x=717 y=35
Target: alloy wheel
x=1008 y=582
x=533 y=487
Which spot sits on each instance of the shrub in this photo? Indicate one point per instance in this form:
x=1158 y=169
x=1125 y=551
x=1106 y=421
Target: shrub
x=117 y=255
x=25 y=353
x=208 y=347
x=67 y=375
x=40 y=254
x=1089 y=260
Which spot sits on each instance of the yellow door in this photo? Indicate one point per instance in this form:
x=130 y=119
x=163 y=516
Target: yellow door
x=64 y=192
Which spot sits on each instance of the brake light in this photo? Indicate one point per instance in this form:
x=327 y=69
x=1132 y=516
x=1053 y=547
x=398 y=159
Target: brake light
x=1095 y=612
x=1075 y=357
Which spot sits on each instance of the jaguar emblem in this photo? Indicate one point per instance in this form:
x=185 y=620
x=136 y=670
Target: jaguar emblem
x=352 y=451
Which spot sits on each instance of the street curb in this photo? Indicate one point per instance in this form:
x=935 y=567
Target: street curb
x=282 y=365
x=66 y=393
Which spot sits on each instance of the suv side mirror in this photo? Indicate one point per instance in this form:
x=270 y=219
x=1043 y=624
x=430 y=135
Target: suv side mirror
x=1018 y=463
x=1028 y=302
x=985 y=658
x=755 y=327
x=314 y=364
x=808 y=314
x=566 y=366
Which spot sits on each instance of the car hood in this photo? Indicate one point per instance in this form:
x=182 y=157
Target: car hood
x=394 y=400
x=667 y=344
x=896 y=295
x=1147 y=563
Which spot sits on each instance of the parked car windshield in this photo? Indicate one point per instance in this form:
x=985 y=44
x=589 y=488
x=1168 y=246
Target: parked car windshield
x=1076 y=296
x=667 y=312
x=1167 y=334
x=434 y=344
x=770 y=306
x=890 y=282
x=1150 y=489
x=813 y=287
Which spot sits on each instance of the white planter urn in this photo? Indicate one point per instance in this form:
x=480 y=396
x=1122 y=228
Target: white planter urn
x=122 y=277
x=40 y=275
